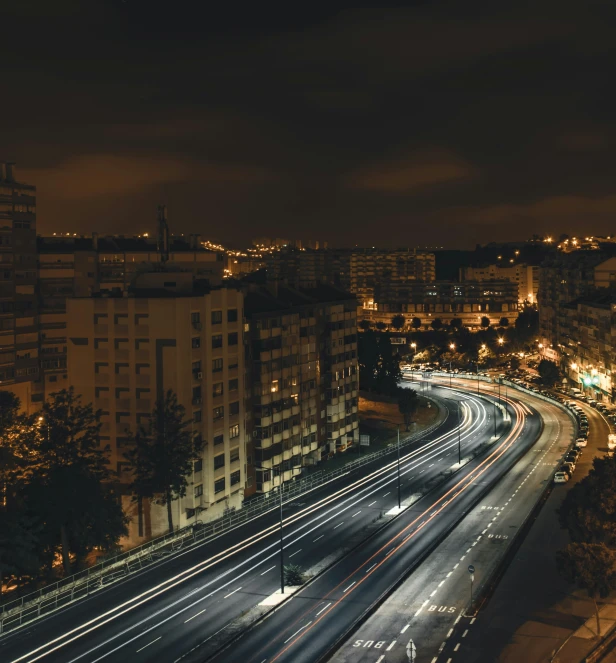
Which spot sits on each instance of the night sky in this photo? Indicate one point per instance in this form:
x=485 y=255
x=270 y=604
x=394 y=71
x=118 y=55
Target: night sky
x=431 y=123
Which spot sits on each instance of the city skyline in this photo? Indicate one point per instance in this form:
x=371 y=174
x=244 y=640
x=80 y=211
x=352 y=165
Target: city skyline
x=443 y=125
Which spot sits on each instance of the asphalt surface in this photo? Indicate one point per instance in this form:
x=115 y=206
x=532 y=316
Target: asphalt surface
x=184 y=605
x=306 y=628
x=432 y=608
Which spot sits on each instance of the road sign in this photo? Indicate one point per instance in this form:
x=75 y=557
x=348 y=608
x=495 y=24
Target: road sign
x=364 y=440
x=471 y=568
x=411 y=651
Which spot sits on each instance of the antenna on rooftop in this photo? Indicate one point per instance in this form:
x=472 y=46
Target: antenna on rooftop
x=163 y=234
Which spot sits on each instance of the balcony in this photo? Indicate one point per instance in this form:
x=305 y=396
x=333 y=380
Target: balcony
x=101 y=379
x=101 y=330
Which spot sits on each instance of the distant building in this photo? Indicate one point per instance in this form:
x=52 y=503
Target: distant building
x=303 y=377
x=468 y=300
x=19 y=342
x=126 y=349
x=525 y=276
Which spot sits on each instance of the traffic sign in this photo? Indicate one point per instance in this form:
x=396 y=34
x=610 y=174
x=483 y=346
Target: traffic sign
x=471 y=568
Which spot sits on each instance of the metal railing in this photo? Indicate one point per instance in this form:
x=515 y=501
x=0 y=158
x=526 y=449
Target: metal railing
x=59 y=594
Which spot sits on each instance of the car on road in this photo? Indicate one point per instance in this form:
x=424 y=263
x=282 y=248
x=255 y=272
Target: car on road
x=568 y=467
x=561 y=477
x=572 y=457
x=581 y=442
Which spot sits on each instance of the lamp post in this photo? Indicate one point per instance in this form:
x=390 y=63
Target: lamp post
x=281 y=546
x=452 y=347
x=494 y=401
x=459 y=448
x=398 y=447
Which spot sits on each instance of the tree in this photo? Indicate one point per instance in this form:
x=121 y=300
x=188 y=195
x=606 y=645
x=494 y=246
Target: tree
x=408 y=402
x=436 y=324
x=527 y=324
x=485 y=322
x=455 y=323
x=515 y=363
x=163 y=453
x=588 y=511
x=591 y=567
x=548 y=371
x=504 y=322
x=381 y=326
x=365 y=325
x=388 y=371
x=416 y=323
x=67 y=481
x=293 y=575
x=18 y=544
x=368 y=355
x=397 y=322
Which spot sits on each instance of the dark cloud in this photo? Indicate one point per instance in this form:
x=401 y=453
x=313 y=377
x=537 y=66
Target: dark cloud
x=441 y=122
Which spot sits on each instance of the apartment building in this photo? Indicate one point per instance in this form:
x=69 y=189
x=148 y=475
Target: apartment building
x=587 y=351
x=564 y=278
x=308 y=267
x=468 y=300
x=71 y=266
x=525 y=276
x=303 y=377
x=168 y=331
x=371 y=267
x=19 y=347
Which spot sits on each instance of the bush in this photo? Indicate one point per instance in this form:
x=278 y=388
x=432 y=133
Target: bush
x=293 y=575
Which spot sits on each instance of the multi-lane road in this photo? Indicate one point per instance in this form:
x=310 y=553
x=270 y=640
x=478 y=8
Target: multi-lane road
x=184 y=608
x=431 y=611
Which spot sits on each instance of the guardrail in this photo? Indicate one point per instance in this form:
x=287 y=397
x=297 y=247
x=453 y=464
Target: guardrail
x=80 y=585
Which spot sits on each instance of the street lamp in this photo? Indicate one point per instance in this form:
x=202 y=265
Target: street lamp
x=501 y=340
x=452 y=347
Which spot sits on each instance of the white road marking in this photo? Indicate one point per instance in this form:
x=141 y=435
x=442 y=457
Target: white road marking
x=450 y=632
x=456 y=566
x=349 y=587
x=371 y=503
x=457 y=647
x=464 y=634
x=450 y=573
x=318 y=537
x=338 y=525
x=386 y=494
x=295 y=553
x=380 y=658
x=391 y=646
x=231 y=593
x=356 y=514
x=433 y=593
x=149 y=643
x=370 y=569
x=468 y=550
x=323 y=609
x=404 y=628
x=473 y=620
x=271 y=568
x=441 y=583
x=298 y=631
x=199 y=613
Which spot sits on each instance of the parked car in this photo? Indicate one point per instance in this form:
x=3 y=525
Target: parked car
x=581 y=442
x=568 y=467
x=592 y=403
x=561 y=477
x=572 y=457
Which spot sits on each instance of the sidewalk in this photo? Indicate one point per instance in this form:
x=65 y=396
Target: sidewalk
x=533 y=611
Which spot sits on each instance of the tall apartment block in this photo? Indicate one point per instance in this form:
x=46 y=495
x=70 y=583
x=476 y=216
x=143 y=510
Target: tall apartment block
x=80 y=266
x=303 y=377
x=19 y=360
x=125 y=350
x=526 y=277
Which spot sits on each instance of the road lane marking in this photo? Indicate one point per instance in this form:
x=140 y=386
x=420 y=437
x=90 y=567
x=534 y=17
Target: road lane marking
x=318 y=537
x=231 y=593
x=298 y=631
x=441 y=583
x=356 y=514
x=473 y=620
x=372 y=503
x=433 y=593
x=391 y=646
x=464 y=634
x=271 y=568
x=457 y=647
x=370 y=569
x=338 y=525
x=199 y=613
x=149 y=643
x=386 y=494
x=456 y=566
x=450 y=573
x=349 y=587
x=295 y=553
x=404 y=628
x=450 y=632
x=325 y=608
x=380 y=658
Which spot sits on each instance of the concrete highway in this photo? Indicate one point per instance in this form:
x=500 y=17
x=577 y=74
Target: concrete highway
x=432 y=608
x=185 y=606
x=305 y=629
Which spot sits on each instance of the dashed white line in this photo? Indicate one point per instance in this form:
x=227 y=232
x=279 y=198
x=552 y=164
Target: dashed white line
x=456 y=566
x=473 y=620
x=380 y=658
x=391 y=646
x=372 y=503
x=386 y=494
x=231 y=593
x=271 y=568
x=441 y=583
x=457 y=647
x=464 y=634
x=370 y=569
x=199 y=613
x=356 y=514
x=404 y=628
x=318 y=537
x=298 y=631
x=433 y=593
x=295 y=553
x=338 y=525
x=323 y=609
x=149 y=643
x=468 y=551
x=450 y=573
x=349 y=587
x=450 y=632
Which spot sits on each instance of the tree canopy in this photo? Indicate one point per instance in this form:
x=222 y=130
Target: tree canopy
x=548 y=371
x=408 y=403
x=398 y=322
